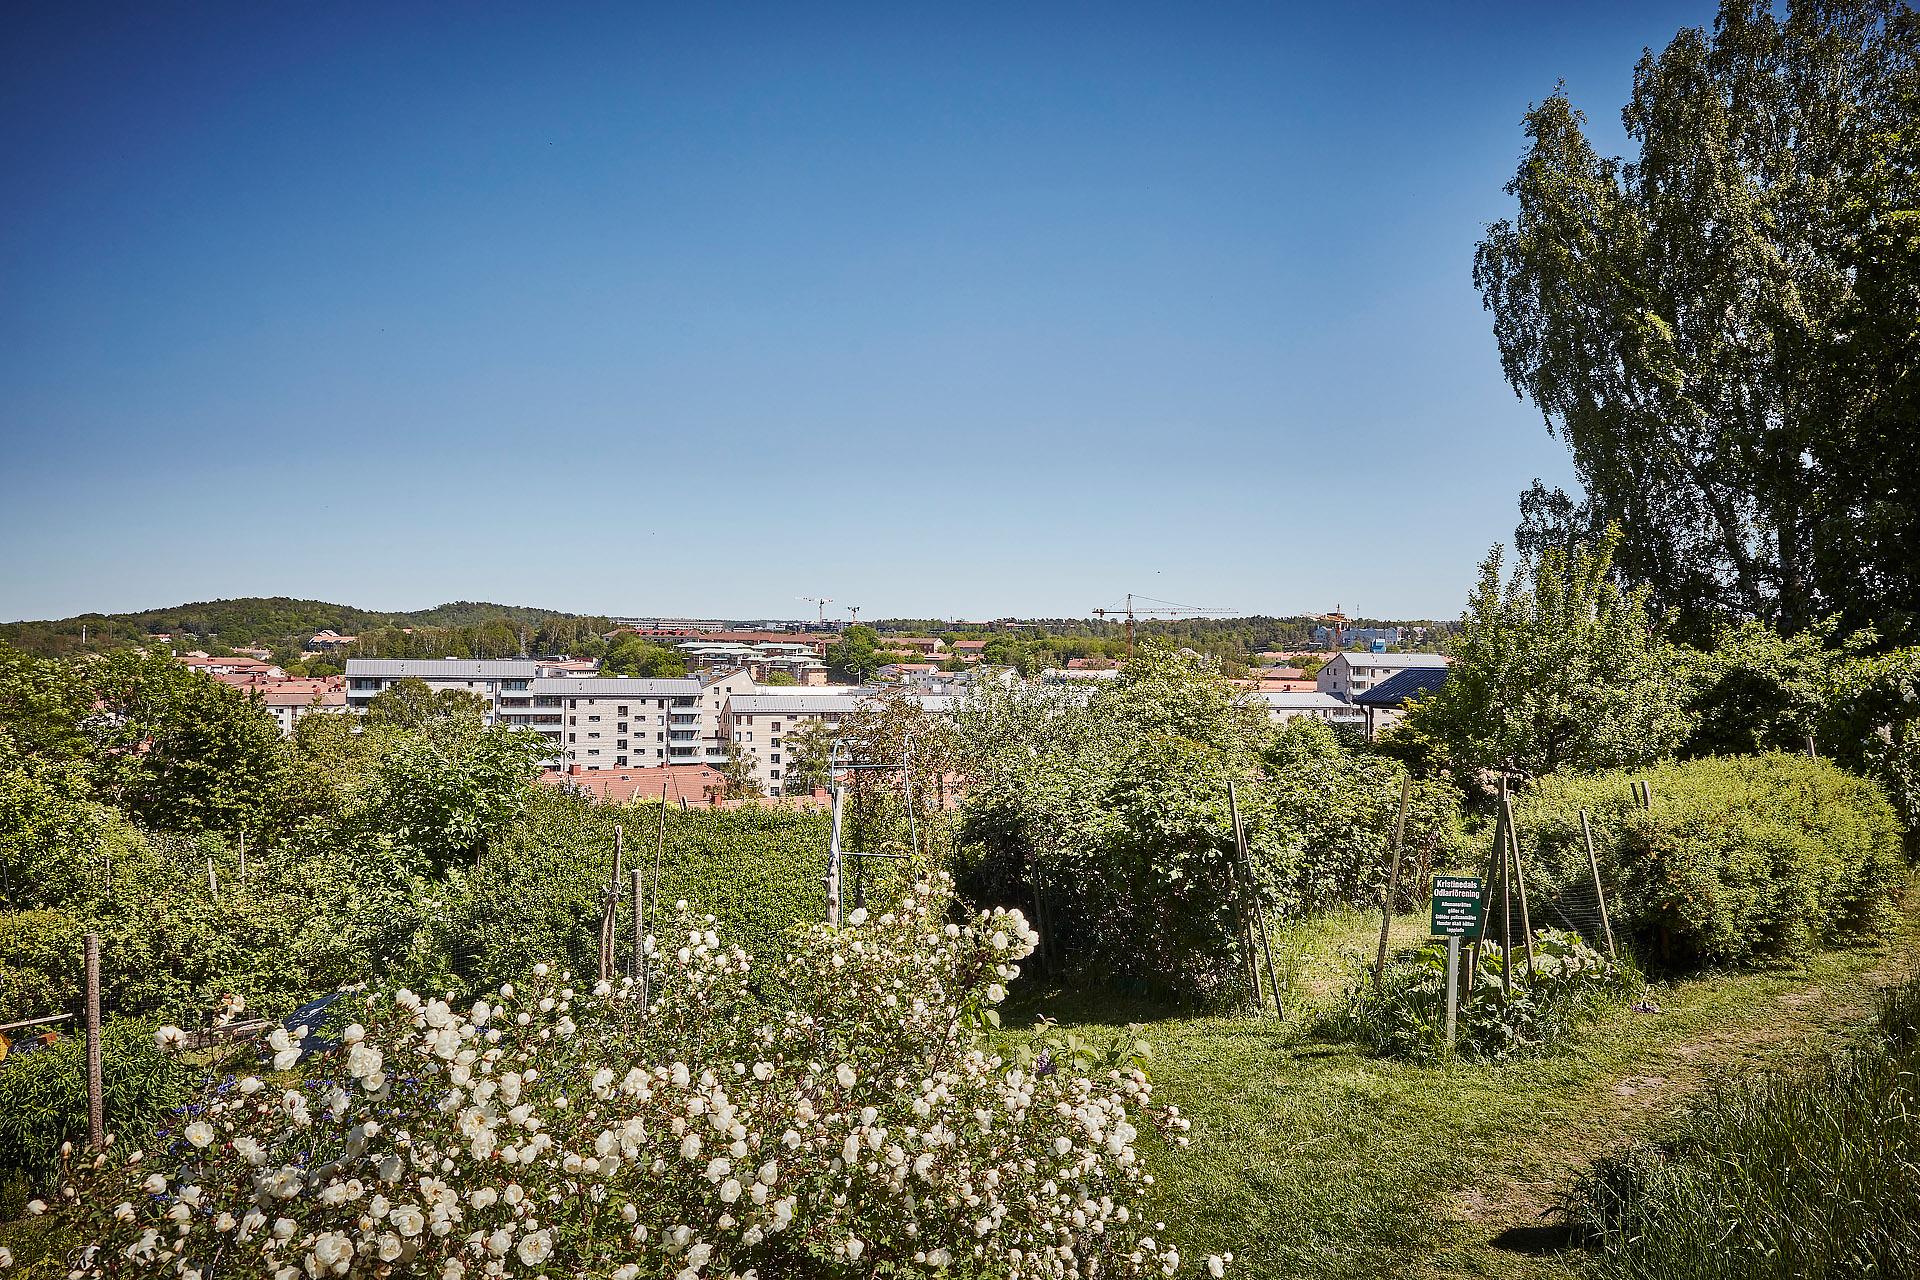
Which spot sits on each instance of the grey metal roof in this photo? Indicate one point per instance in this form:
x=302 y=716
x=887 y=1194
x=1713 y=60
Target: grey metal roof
x=614 y=687
x=1400 y=686
x=796 y=703
x=1396 y=660
x=1300 y=701
x=445 y=668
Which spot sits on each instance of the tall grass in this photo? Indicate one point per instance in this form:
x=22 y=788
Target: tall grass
x=1808 y=1174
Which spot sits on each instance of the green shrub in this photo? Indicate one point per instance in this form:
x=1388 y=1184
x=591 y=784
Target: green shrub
x=43 y=1100
x=535 y=894
x=1738 y=858
x=1777 y=1175
x=1406 y=1016
x=40 y=964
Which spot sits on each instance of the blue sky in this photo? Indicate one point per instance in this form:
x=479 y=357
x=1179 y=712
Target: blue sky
x=953 y=311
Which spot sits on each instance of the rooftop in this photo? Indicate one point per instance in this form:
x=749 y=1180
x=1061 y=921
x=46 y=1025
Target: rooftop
x=1396 y=689
x=445 y=668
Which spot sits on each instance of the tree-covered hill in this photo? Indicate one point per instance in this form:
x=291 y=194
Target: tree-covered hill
x=276 y=622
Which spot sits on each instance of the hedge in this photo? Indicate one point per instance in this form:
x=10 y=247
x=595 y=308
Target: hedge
x=1738 y=858
x=535 y=894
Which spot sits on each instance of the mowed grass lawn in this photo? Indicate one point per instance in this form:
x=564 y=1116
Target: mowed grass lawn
x=1310 y=1159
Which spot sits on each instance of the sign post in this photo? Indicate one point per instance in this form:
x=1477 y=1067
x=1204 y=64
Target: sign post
x=1457 y=914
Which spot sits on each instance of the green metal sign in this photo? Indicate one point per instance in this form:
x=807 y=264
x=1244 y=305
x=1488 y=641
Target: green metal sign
x=1456 y=906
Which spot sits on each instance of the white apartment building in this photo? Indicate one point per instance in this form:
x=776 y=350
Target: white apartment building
x=611 y=723
x=487 y=677
x=1283 y=707
x=1351 y=674
x=759 y=724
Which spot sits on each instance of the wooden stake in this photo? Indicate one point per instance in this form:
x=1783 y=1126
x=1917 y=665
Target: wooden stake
x=1393 y=881
x=633 y=965
x=96 y=1097
x=1494 y=860
x=1506 y=907
x=1259 y=910
x=213 y=881
x=1593 y=864
x=1520 y=876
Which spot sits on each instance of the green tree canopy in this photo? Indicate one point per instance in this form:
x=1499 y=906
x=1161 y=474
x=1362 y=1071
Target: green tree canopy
x=1555 y=668
x=1694 y=323
x=412 y=703
x=630 y=655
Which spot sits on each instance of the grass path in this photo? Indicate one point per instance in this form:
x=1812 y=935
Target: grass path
x=1310 y=1159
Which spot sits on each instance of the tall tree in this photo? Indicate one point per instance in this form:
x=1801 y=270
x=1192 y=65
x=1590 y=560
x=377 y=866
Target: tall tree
x=1683 y=321
x=1554 y=668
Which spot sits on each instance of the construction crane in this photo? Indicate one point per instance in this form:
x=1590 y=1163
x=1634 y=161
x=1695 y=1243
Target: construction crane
x=1165 y=608
x=823 y=602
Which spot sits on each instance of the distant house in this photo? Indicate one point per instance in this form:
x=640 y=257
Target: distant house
x=928 y=645
x=1348 y=675
x=969 y=650
x=1283 y=707
x=327 y=640
x=1385 y=703
x=230 y=666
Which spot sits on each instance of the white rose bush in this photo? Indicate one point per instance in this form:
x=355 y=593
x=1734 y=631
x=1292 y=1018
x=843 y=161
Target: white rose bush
x=838 y=1116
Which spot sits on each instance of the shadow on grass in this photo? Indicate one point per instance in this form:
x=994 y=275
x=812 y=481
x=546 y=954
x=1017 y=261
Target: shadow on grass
x=1538 y=1241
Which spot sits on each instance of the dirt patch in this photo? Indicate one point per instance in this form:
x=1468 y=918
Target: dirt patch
x=1634 y=1086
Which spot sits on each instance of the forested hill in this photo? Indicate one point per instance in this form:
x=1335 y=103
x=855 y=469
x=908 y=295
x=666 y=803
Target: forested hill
x=273 y=621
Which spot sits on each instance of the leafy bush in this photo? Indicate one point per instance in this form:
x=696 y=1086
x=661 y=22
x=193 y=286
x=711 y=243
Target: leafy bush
x=1738 y=858
x=1406 y=1017
x=535 y=893
x=1777 y=1175
x=1110 y=816
x=43 y=1100
x=852 y=1128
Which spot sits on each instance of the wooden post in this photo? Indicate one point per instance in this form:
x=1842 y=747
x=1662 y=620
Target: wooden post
x=1393 y=881
x=1813 y=753
x=96 y=1098
x=833 y=856
x=243 y=855
x=1495 y=859
x=1259 y=911
x=1453 y=988
x=213 y=881
x=1593 y=864
x=1520 y=876
x=1506 y=899
x=633 y=965
x=610 y=907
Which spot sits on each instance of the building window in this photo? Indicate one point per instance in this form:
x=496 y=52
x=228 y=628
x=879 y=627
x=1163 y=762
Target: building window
x=593 y=719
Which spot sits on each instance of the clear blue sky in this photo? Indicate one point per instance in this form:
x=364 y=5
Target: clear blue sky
x=952 y=310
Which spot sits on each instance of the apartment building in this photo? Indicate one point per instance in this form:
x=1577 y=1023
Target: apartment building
x=488 y=678
x=760 y=724
x=611 y=723
x=1348 y=675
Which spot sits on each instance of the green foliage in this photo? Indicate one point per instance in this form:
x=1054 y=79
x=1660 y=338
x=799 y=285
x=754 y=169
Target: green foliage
x=181 y=750
x=1778 y=1175
x=42 y=706
x=43 y=1100
x=1323 y=817
x=444 y=791
x=630 y=655
x=1110 y=812
x=855 y=656
x=535 y=894
x=414 y=704
x=1738 y=858
x=1406 y=1016
x=1693 y=325
x=278 y=621
x=1557 y=668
